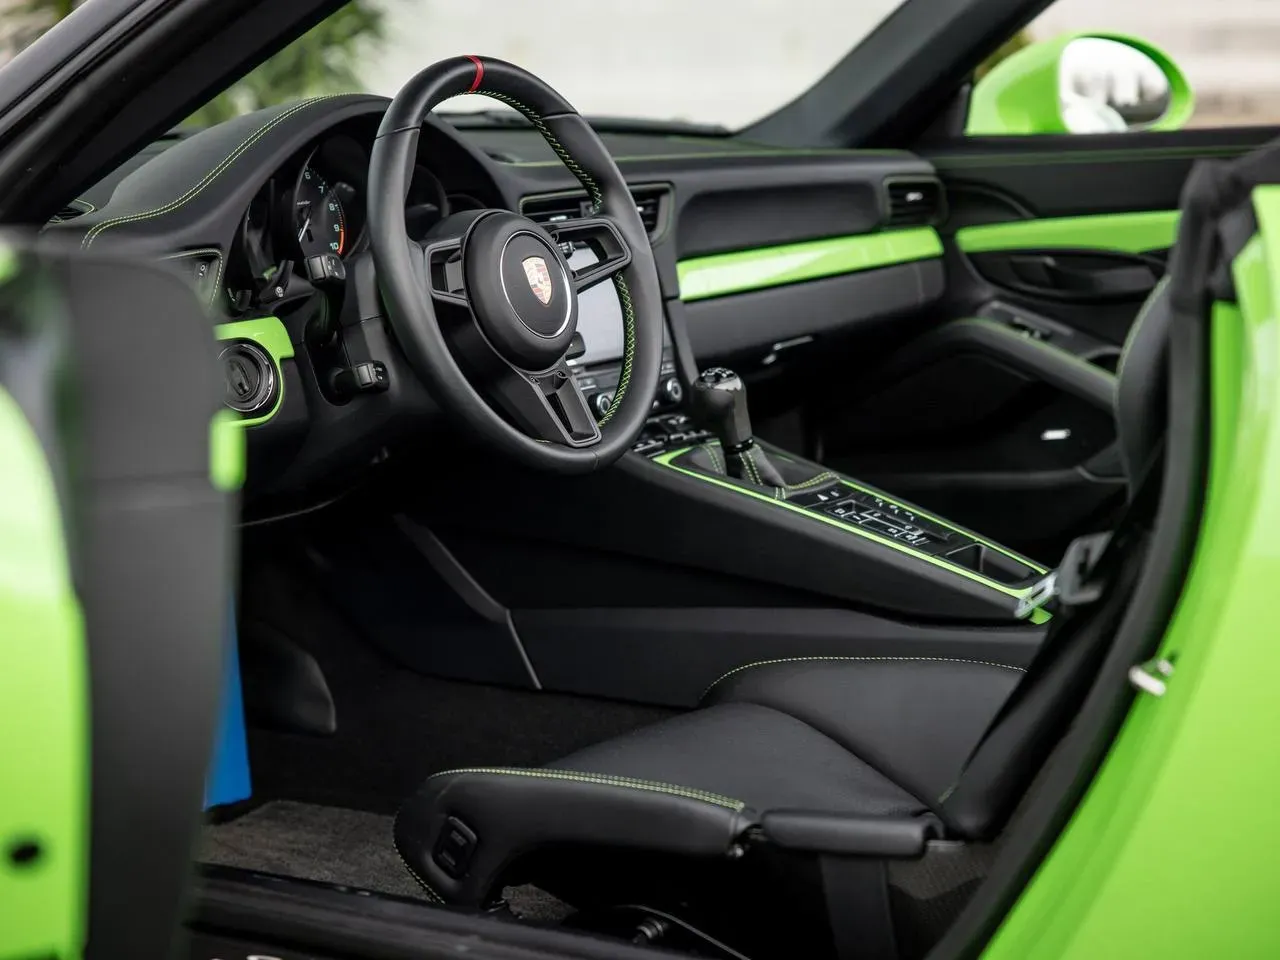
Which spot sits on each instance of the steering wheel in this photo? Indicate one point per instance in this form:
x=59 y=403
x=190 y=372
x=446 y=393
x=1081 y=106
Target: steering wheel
x=486 y=306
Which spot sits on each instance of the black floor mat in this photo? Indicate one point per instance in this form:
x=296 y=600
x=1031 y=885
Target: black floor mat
x=396 y=727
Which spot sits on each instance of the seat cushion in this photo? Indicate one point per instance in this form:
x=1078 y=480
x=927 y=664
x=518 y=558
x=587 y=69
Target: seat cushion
x=914 y=720
x=676 y=801
x=755 y=753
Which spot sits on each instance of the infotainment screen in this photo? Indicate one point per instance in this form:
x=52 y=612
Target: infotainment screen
x=599 y=315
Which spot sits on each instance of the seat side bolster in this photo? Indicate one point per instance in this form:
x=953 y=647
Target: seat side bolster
x=517 y=810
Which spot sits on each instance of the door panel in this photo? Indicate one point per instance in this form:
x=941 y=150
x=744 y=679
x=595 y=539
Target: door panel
x=996 y=412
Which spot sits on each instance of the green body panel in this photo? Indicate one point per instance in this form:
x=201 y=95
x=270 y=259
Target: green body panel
x=1116 y=232
x=43 y=696
x=270 y=334
x=1020 y=96
x=666 y=459
x=1171 y=853
x=725 y=273
x=228 y=451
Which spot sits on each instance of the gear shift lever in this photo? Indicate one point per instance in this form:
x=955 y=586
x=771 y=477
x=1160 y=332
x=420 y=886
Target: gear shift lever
x=720 y=403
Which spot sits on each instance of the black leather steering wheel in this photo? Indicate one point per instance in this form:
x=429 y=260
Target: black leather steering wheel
x=486 y=306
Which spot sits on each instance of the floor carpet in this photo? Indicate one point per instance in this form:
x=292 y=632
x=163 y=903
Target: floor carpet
x=336 y=845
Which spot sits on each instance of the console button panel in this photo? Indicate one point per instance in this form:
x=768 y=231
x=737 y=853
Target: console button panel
x=880 y=516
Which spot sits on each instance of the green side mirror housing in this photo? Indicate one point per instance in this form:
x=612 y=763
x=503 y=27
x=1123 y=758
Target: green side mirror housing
x=1081 y=83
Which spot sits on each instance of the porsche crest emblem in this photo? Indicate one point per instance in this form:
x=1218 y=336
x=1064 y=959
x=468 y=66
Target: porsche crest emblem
x=539 y=277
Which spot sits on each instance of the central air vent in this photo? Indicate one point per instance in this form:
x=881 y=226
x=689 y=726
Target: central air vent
x=652 y=203
x=914 y=202
x=76 y=208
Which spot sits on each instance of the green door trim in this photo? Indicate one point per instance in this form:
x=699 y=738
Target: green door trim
x=1155 y=862
x=44 y=726
x=1113 y=232
x=757 y=269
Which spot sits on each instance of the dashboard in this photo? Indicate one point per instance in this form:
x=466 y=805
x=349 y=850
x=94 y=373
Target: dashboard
x=265 y=215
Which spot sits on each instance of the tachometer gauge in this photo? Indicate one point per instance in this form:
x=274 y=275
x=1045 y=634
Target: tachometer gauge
x=318 y=218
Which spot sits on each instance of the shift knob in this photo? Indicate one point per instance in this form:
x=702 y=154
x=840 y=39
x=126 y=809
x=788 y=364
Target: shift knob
x=720 y=403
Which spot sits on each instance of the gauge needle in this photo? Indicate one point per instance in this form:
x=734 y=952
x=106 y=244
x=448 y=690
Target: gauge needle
x=306 y=224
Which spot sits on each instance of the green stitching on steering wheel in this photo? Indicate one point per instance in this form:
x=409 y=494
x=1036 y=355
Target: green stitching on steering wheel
x=597 y=199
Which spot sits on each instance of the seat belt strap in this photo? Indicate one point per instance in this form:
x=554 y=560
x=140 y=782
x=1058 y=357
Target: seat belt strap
x=858 y=908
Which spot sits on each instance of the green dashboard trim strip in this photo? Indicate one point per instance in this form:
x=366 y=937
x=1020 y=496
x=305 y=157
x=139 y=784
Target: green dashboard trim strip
x=268 y=333
x=44 y=815
x=724 y=273
x=666 y=459
x=1117 y=232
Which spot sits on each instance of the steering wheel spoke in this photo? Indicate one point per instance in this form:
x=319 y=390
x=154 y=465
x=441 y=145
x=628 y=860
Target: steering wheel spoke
x=547 y=406
x=442 y=264
x=603 y=238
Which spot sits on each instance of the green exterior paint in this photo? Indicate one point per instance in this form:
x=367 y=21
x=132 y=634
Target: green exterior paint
x=227 y=451
x=1118 y=232
x=1164 y=856
x=725 y=273
x=665 y=459
x=1020 y=96
x=44 y=753
x=270 y=334
x=8 y=264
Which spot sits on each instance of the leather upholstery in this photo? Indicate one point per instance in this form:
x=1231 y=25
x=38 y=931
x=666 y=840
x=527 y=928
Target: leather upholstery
x=853 y=737
x=1140 y=410
x=913 y=720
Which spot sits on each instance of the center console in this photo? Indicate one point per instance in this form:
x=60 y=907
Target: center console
x=700 y=431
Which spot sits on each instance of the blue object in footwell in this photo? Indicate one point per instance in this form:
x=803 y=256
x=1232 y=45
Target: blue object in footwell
x=228 y=780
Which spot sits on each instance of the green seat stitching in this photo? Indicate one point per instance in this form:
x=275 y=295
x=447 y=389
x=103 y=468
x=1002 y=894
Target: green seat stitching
x=689 y=793
x=427 y=888
x=766 y=663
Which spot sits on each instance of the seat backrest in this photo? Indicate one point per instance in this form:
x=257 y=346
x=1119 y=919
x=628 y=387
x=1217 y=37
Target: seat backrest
x=1142 y=383
x=108 y=370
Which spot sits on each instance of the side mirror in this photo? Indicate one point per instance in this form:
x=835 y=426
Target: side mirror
x=1081 y=83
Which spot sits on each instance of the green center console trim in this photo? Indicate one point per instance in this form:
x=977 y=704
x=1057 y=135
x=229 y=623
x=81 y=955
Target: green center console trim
x=227 y=451
x=268 y=333
x=43 y=724
x=665 y=459
x=1117 y=232
x=745 y=270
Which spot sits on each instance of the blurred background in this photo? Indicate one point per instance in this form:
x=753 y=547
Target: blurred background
x=724 y=62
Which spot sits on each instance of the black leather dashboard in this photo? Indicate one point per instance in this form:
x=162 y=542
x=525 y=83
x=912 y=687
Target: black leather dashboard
x=191 y=193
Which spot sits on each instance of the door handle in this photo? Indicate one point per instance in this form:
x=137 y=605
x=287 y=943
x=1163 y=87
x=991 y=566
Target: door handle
x=1057 y=275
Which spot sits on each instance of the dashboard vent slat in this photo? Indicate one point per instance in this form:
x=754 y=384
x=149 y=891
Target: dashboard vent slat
x=651 y=204
x=914 y=202
x=76 y=208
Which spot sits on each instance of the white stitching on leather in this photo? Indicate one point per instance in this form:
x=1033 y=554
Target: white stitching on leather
x=689 y=793
x=426 y=887
x=98 y=228
x=766 y=663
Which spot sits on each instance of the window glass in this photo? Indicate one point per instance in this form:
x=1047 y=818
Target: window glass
x=718 y=62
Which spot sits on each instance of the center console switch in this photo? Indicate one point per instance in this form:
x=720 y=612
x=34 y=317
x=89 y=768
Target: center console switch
x=877 y=515
x=668 y=431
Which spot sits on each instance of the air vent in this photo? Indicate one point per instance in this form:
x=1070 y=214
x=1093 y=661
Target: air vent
x=913 y=202
x=651 y=203
x=76 y=208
